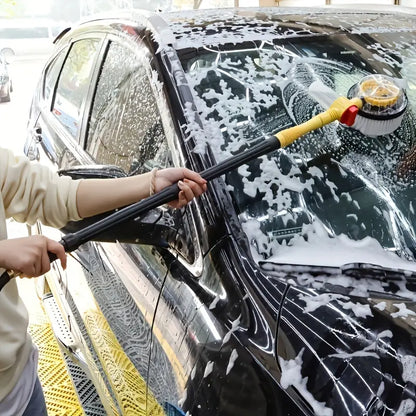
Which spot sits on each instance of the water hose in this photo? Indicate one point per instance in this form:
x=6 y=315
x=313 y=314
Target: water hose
x=342 y=109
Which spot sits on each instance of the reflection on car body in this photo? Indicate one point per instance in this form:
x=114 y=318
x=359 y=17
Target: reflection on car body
x=289 y=287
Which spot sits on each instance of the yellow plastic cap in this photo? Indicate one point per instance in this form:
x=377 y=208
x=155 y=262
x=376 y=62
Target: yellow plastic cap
x=379 y=91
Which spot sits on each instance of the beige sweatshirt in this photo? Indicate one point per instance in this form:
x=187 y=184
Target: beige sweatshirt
x=29 y=192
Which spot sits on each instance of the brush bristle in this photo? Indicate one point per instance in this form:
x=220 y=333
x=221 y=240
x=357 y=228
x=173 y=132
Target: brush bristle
x=374 y=128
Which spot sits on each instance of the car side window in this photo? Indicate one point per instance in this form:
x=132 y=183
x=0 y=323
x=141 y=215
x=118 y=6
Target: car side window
x=125 y=127
x=51 y=75
x=73 y=84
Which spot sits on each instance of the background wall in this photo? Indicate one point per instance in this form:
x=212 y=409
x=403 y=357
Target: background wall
x=73 y=10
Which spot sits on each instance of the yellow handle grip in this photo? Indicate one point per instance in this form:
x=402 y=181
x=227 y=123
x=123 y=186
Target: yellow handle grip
x=334 y=112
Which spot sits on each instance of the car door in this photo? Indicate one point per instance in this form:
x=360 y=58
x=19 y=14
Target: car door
x=109 y=294
x=126 y=129
x=212 y=333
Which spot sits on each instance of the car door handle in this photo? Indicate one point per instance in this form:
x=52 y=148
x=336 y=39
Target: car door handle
x=37 y=134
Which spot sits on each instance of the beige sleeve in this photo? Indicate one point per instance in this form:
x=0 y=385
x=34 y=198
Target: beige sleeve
x=31 y=192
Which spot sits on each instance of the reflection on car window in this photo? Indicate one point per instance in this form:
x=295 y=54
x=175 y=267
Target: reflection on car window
x=334 y=182
x=73 y=84
x=51 y=75
x=125 y=128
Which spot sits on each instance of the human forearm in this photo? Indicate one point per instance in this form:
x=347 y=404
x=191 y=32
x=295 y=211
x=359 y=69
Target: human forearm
x=95 y=196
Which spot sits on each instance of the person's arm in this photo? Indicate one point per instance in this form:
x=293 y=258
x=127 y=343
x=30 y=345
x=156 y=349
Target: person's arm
x=95 y=196
x=28 y=256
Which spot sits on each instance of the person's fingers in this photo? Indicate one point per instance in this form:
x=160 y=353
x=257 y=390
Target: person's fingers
x=197 y=188
x=27 y=271
x=57 y=249
x=44 y=263
x=181 y=201
x=194 y=176
x=31 y=268
x=186 y=192
x=33 y=260
x=166 y=177
x=29 y=256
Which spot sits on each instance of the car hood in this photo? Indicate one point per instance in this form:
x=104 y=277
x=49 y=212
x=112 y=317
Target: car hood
x=345 y=342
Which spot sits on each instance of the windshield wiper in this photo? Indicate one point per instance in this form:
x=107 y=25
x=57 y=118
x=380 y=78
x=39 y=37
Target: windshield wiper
x=393 y=281
x=355 y=270
x=376 y=271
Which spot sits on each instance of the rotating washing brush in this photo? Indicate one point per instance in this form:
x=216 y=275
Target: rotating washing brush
x=384 y=104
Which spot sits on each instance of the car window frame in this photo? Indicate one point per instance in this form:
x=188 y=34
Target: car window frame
x=54 y=60
x=192 y=212
x=79 y=139
x=112 y=45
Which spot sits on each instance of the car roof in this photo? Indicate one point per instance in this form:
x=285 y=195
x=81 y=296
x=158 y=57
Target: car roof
x=197 y=28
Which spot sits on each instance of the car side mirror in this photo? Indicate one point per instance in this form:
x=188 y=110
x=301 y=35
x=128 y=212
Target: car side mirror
x=152 y=228
x=8 y=58
x=93 y=172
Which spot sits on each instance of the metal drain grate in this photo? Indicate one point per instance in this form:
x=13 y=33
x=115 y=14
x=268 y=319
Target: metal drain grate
x=68 y=390
x=87 y=393
x=60 y=395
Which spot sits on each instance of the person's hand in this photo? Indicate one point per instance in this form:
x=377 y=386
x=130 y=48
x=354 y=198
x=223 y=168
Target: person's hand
x=28 y=256
x=190 y=183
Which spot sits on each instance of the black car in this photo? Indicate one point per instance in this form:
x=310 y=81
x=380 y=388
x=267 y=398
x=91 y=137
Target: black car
x=289 y=287
x=5 y=81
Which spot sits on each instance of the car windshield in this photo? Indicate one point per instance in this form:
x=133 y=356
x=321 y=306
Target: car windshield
x=334 y=196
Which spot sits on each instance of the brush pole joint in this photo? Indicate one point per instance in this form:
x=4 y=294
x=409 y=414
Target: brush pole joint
x=334 y=112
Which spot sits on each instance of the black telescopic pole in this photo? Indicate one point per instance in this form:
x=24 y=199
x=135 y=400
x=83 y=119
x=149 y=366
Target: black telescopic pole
x=336 y=111
x=72 y=241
